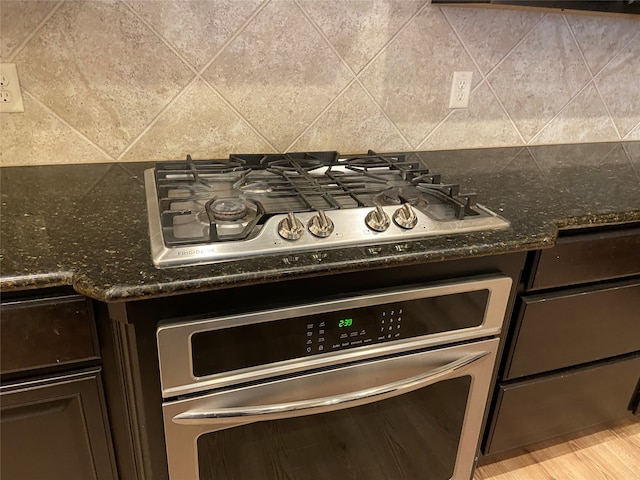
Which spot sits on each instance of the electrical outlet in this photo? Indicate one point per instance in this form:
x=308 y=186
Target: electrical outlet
x=460 y=90
x=10 y=94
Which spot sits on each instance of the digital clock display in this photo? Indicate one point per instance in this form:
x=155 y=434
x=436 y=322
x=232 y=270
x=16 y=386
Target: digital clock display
x=345 y=322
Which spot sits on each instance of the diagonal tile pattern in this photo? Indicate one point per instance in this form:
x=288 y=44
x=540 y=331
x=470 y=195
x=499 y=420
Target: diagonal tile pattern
x=358 y=29
x=214 y=130
x=483 y=123
x=622 y=70
x=355 y=123
x=17 y=21
x=279 y=73
x=600 y=38
x=491 y=33
x=411 y=79
x=116 y=79
x=547 y=58
x=114 y=87
x=196 y=29
x=37 y=137
x=584 y=119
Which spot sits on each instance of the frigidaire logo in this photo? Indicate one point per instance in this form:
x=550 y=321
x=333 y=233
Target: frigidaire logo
x=196 y=251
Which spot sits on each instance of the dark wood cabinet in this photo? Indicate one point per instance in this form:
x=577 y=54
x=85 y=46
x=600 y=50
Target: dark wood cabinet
x=572 y=357
x=52 y=409
x=55 y=429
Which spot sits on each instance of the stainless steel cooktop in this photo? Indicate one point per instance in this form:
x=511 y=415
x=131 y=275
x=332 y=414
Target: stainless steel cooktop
x=207 y=211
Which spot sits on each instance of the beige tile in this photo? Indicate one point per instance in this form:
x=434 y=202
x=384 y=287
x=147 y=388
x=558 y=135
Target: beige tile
x=490 y=33
x=358 y=29
x=540 y=76
x=98 y=67
x=197 y=29
x=36 y=137
x=18 y=20
x=279 y=73
x=584 y=120
x=633 y=134
x=623 y=103
x=601 y=37
x=411 y=79
x=198 y=123
x=353 y=124
x=483 y=124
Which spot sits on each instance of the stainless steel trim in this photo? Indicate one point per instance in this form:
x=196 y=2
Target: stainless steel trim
x=349 y=229
x=181 y=436
x=174 y=339
x=261 y=413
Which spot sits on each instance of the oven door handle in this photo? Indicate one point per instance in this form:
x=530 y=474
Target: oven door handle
x=255 y=413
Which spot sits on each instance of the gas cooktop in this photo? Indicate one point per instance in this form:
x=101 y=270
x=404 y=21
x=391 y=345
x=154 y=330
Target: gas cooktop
x=207 y=211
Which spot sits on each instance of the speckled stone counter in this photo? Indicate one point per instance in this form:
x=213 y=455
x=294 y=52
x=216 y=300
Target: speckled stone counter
x=86 y=225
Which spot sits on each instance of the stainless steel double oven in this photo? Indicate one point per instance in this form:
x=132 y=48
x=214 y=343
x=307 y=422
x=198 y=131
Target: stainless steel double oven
x=384 y=385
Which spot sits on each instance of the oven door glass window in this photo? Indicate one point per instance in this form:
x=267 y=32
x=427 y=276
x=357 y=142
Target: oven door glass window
x=412 y=436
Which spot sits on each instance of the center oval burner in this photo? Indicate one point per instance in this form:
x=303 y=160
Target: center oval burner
x=228 y=209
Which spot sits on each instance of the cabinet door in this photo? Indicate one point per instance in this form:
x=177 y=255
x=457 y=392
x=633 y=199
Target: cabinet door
x=55 y=429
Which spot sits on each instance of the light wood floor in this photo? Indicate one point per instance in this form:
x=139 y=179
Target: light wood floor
x=597 y=454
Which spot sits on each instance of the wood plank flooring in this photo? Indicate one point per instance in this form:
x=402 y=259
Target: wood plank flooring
x=597 y=454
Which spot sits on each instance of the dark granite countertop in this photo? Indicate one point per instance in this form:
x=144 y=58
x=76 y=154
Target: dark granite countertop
x=86 y=225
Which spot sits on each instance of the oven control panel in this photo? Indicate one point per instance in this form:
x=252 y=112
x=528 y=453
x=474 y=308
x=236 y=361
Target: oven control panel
x=243 y=346
x=346 y=331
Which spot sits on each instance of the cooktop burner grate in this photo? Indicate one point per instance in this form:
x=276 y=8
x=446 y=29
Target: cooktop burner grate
x=233 y=201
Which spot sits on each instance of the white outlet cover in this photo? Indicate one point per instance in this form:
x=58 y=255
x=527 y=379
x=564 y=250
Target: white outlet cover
x=460 y=90
x=10 y=93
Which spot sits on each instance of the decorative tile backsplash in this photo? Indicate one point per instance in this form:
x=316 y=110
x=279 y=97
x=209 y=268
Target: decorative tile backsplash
x=107 y=81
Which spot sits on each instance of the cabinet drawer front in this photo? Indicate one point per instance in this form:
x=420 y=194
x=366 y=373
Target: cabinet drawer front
x=45 y=333
x=589 y=258
x=568 y=328
x=538 y=409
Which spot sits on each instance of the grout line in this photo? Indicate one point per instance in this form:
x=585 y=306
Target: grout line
x=354 y=79
x=324 y=110
x=93 y=185
x=197 y=76
x=526 y=35
x=235 y=35
x=19 y=48
x=504 y=167
x=584 y=59
x=160 y=37
x=155 y=119
x=239 y=114
x=434 y=129
x=617 y=54
x=535 y=160
x=393 y=37
x=559 y=112
x=633 y=166
x=614 y=146
x=485 y=78
x=58 y=117
x=637 y=125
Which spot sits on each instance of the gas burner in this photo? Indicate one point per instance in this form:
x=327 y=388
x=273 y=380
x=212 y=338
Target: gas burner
x=228 y=209
x=205 y=211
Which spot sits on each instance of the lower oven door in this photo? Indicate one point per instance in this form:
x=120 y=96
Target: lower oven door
x=411 y=416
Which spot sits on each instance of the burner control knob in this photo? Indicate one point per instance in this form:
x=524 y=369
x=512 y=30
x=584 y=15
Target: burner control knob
x=405 y=217
x=320 y=225
x=290 y=228
x=377 y=220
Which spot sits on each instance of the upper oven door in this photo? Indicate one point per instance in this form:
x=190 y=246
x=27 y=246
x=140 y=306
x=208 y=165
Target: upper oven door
x=410 y=416
x=197 y=355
